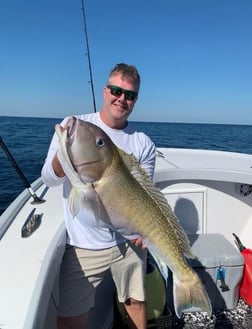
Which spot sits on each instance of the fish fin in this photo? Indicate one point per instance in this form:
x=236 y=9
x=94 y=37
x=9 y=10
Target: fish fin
x=134 y=166
x=162 y=266
x=93 y=203
x=84 y=198
x=74 y=202
x=142 y=177
x=190 y=293
x=166 y=209
x=127 y=158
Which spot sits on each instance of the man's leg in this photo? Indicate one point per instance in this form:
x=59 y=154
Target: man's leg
x=136 y=310
x=74 y=322
x=81 y=272
x=128 y=270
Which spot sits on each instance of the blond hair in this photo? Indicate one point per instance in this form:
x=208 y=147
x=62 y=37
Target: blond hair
x=127 y=72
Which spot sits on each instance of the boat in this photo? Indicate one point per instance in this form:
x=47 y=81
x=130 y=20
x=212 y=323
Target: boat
x=209 y=191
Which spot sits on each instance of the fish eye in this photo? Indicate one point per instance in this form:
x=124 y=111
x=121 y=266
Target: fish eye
x=100 y=142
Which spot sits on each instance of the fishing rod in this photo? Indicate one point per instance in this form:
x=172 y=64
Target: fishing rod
x=36 y=199
x=88 y=54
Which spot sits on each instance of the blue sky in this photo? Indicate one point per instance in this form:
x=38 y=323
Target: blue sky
x=194 y=57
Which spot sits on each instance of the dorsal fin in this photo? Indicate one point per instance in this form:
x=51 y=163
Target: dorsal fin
x=141 y=176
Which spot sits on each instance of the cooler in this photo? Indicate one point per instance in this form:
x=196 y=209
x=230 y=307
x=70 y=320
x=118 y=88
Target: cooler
x=220 y=267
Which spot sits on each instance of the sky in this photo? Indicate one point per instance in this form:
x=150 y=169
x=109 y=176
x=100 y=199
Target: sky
x=194 y=57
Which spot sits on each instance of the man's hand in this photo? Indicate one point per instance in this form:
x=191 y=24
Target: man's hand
x=139 y=243
x=57 y=167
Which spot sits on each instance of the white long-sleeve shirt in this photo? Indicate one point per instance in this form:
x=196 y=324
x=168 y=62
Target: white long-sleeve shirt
x=83 y=231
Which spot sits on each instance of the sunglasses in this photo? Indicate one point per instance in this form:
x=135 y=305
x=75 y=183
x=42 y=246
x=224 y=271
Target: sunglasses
x=118 y=91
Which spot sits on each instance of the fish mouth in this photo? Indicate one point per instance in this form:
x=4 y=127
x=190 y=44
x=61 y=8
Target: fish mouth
x=85 y=164
x=71 y=127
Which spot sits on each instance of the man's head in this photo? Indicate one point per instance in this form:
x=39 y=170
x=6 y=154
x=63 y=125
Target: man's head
x=120 y=95
x=127 y=72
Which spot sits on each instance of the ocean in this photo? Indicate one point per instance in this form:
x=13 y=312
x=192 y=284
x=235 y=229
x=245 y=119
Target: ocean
x=28 y=140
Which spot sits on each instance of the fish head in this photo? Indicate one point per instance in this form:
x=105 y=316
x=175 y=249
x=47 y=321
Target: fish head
x=89 y=149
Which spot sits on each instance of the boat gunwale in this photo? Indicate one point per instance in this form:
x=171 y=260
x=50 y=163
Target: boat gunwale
x=10 y=213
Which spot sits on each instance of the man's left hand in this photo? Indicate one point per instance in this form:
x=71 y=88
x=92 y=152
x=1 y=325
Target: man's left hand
x=139 y=243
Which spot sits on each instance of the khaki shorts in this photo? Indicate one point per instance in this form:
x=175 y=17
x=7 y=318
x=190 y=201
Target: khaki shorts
x=82 y=270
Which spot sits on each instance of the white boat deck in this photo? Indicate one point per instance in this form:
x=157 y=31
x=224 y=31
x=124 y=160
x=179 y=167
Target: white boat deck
x=25 y=263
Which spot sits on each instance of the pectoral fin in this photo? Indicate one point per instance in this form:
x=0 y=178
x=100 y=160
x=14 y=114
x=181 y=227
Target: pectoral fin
x=86 y=198
x=74 y=202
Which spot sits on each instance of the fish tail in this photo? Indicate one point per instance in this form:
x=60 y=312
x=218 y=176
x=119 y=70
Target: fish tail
x=191 y=293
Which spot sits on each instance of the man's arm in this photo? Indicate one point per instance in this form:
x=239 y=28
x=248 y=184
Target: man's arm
x=52 y=173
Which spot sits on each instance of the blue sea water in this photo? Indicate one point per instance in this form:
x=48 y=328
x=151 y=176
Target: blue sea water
x=28 y=140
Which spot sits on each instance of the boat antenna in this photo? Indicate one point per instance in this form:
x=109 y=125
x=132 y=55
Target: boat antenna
x=36 y=199
x=88 y=54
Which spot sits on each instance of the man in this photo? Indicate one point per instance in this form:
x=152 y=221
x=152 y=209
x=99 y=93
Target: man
x=94 y=249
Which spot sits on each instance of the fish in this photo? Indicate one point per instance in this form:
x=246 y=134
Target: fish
x=114 y=185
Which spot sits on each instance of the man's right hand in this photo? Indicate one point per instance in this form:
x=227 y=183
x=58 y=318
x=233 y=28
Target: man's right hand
x=57 y=167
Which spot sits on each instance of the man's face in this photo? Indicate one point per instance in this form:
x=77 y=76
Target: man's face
x=118 y=106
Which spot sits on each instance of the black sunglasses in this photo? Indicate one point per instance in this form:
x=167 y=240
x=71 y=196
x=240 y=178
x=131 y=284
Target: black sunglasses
x=118 y=91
